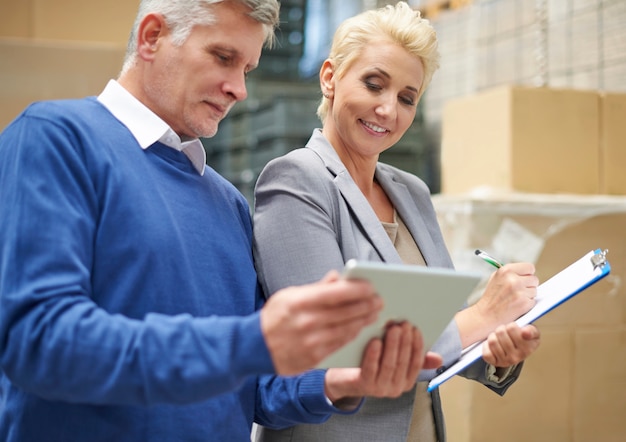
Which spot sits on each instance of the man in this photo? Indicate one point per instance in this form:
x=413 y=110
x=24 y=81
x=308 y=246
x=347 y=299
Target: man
x=128 y=296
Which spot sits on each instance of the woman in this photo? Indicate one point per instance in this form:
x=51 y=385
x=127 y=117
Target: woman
x=319 y=206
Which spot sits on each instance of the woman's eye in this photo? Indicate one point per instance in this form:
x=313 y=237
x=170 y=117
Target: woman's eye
x=372 y=86
x=407 y=100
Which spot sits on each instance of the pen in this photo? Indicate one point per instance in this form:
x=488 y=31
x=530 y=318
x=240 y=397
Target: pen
x=494 y=262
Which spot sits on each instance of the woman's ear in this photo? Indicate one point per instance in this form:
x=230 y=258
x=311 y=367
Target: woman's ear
x=327 y=78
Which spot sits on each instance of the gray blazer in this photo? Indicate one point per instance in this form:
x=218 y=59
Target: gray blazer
x=311 y=217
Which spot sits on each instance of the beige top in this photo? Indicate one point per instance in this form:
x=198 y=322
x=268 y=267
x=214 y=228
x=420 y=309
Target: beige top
x=422 y=423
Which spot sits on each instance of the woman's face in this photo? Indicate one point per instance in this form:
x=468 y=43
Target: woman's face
x=374 y=103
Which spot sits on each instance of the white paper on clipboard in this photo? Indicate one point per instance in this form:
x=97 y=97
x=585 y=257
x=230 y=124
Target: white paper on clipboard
x=568 y=282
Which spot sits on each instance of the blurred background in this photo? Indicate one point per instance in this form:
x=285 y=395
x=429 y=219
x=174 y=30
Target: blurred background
x=67 y=48
x=520 y=138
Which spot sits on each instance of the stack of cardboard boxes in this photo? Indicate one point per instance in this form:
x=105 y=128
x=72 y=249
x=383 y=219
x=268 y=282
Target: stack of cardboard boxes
x=536 y=174
x=537 y=140
x=60 y=49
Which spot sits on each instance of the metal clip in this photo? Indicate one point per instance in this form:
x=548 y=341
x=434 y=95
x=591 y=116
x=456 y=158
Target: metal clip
x=599 y=259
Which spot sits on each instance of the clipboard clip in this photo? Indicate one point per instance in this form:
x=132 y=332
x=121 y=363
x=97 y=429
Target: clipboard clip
x=599 y=259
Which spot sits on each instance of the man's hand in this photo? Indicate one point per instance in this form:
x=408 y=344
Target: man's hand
x=388 y=368
x=302 y=325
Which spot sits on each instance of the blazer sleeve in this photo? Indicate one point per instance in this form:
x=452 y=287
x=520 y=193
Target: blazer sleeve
x=295 y=222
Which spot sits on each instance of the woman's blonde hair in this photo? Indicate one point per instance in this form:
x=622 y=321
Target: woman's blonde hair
x=400 y=24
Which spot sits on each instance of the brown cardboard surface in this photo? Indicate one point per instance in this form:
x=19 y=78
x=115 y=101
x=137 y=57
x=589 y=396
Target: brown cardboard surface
x=33 y=71
x=475 y=134
x=572 y=388
x=16 y=18
x=84 y=20
x=536 y=408
x=77 y=20
x=522 y=139
x=613 y=144
x=599 y=385
x=555 y=141
x=603 y=304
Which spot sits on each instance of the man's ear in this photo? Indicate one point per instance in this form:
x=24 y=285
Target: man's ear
x=327 y=78
x=150 y=31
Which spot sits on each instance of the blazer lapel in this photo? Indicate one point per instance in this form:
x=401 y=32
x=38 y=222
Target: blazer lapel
x=408 y=210
x=363 y=212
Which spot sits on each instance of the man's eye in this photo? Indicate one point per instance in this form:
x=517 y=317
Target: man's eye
x=223 y=58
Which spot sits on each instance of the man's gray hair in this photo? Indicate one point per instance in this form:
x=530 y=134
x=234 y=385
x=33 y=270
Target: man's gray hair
x=182 y=15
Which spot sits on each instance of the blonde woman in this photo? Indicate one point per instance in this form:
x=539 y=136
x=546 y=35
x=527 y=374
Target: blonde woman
x=332 y=201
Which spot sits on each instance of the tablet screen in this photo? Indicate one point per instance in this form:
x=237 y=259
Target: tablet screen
x=427 y=297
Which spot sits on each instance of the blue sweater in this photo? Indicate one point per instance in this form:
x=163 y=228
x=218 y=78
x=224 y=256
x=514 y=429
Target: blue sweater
x=128 y=292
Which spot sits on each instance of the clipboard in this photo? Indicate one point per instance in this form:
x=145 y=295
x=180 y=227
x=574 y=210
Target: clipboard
x=564 y=285
x=427 y=297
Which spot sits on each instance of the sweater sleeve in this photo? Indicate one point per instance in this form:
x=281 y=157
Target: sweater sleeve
x=59 y=344
x=284 y=401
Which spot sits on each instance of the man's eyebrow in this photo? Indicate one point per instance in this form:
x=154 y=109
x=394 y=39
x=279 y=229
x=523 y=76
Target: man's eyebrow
x=223 y=48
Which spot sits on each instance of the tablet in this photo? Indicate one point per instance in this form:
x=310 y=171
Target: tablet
x=427 y=297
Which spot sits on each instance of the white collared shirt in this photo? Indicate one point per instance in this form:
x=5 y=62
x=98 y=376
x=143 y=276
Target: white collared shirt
x=146 y=126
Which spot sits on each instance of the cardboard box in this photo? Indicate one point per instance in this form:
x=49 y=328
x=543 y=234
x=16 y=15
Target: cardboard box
x=572 y=387
x=84 y=20
x=613 y=143
x=16 y=18
x=599 y=398
x=33 y=71
x=77 y=20
x=522 y=139
x=534 y=409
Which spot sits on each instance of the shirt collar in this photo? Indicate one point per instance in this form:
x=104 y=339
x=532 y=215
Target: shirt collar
x=146 y=126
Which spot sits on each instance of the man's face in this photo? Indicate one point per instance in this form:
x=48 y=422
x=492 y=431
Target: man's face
x=192 y=87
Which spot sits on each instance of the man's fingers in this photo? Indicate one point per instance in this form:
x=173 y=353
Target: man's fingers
x=331 y=276
x=389 y=359
x=323 y=341
x=416 y=362
x=371 y=360
x=405 y=356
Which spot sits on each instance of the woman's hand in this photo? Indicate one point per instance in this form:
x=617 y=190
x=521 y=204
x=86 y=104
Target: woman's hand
x=510 y=344
x=510 y=292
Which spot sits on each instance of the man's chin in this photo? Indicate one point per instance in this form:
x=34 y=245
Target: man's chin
x=210 y=134
x=206 y=131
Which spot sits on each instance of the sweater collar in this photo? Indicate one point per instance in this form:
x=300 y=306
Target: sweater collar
x=146 y=126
